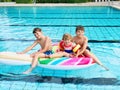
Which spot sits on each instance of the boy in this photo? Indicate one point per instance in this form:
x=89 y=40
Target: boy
x=46 y=48
x=83 y=42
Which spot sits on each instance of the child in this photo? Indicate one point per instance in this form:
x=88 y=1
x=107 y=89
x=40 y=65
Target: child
x=46 y=48
x=83 y=42
x=66 y=47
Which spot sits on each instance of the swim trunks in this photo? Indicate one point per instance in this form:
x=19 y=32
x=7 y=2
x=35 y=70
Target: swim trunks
x=49 y=52
x=68 y=51
x=88 y=48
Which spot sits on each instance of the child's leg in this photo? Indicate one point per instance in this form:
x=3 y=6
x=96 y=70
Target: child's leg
x=89 y=54
x=32 y=55
x=58 y=55
x=34 y=62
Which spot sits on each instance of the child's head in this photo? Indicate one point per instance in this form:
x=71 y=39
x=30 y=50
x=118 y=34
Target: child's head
x=37 y=32
x=67 y=38
x=80 y=30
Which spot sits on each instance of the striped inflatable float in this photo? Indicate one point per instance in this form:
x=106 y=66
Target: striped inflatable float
x=66 y=63
x=63 y=63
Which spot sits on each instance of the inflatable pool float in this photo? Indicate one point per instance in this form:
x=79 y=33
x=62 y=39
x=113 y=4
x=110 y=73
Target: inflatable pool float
x=63 y=63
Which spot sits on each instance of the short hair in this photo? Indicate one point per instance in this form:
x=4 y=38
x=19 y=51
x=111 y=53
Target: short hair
x=67 y=37
x=80 y=28
x=36 y=29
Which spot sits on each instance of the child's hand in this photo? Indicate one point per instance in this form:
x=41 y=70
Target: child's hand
x=76 y=55
x=58 y=50
x=73 y=55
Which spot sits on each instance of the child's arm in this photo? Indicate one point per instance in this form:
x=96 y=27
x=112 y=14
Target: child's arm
x=61 y=47
x=28 y=48
x=83 y=47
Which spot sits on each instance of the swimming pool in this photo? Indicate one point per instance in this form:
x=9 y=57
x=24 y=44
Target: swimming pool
x=102 y=25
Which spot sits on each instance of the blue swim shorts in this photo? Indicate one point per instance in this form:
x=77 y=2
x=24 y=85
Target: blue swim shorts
x=48 y=52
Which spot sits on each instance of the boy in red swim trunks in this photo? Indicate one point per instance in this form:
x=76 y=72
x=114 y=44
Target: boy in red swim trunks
x=46 y=48
x=83 y=42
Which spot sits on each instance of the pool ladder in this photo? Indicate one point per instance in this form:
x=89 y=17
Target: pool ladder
x=34 y=1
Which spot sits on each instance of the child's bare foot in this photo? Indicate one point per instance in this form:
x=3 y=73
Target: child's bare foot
x=105 y=68
x=28 y=71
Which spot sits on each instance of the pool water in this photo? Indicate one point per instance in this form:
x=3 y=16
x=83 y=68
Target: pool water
x=102 y=25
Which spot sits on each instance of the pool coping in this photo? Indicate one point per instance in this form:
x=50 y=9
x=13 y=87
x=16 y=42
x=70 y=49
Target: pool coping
x=58 y=4
x=114 y=4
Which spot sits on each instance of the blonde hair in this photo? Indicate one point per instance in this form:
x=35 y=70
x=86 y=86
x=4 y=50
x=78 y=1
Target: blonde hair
x=67 y=37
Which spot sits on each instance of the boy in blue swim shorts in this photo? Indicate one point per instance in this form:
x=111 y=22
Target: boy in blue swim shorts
x=46 y=48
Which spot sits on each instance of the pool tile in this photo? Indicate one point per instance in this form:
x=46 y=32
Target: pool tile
x=43 y=88
x=5 y=86
x=55 y=86
x=18 y=83
x=17 y=87
x=70 y=87
x=27 y=87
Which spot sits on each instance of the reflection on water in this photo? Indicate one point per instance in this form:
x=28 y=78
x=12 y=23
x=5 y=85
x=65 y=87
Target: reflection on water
x=58 y=80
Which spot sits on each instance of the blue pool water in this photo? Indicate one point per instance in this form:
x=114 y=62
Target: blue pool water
x=102 y=25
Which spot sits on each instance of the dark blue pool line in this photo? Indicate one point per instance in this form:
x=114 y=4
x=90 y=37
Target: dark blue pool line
x=66 y=25
x=61 y=18
x=56 y=40
x=57 y=13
